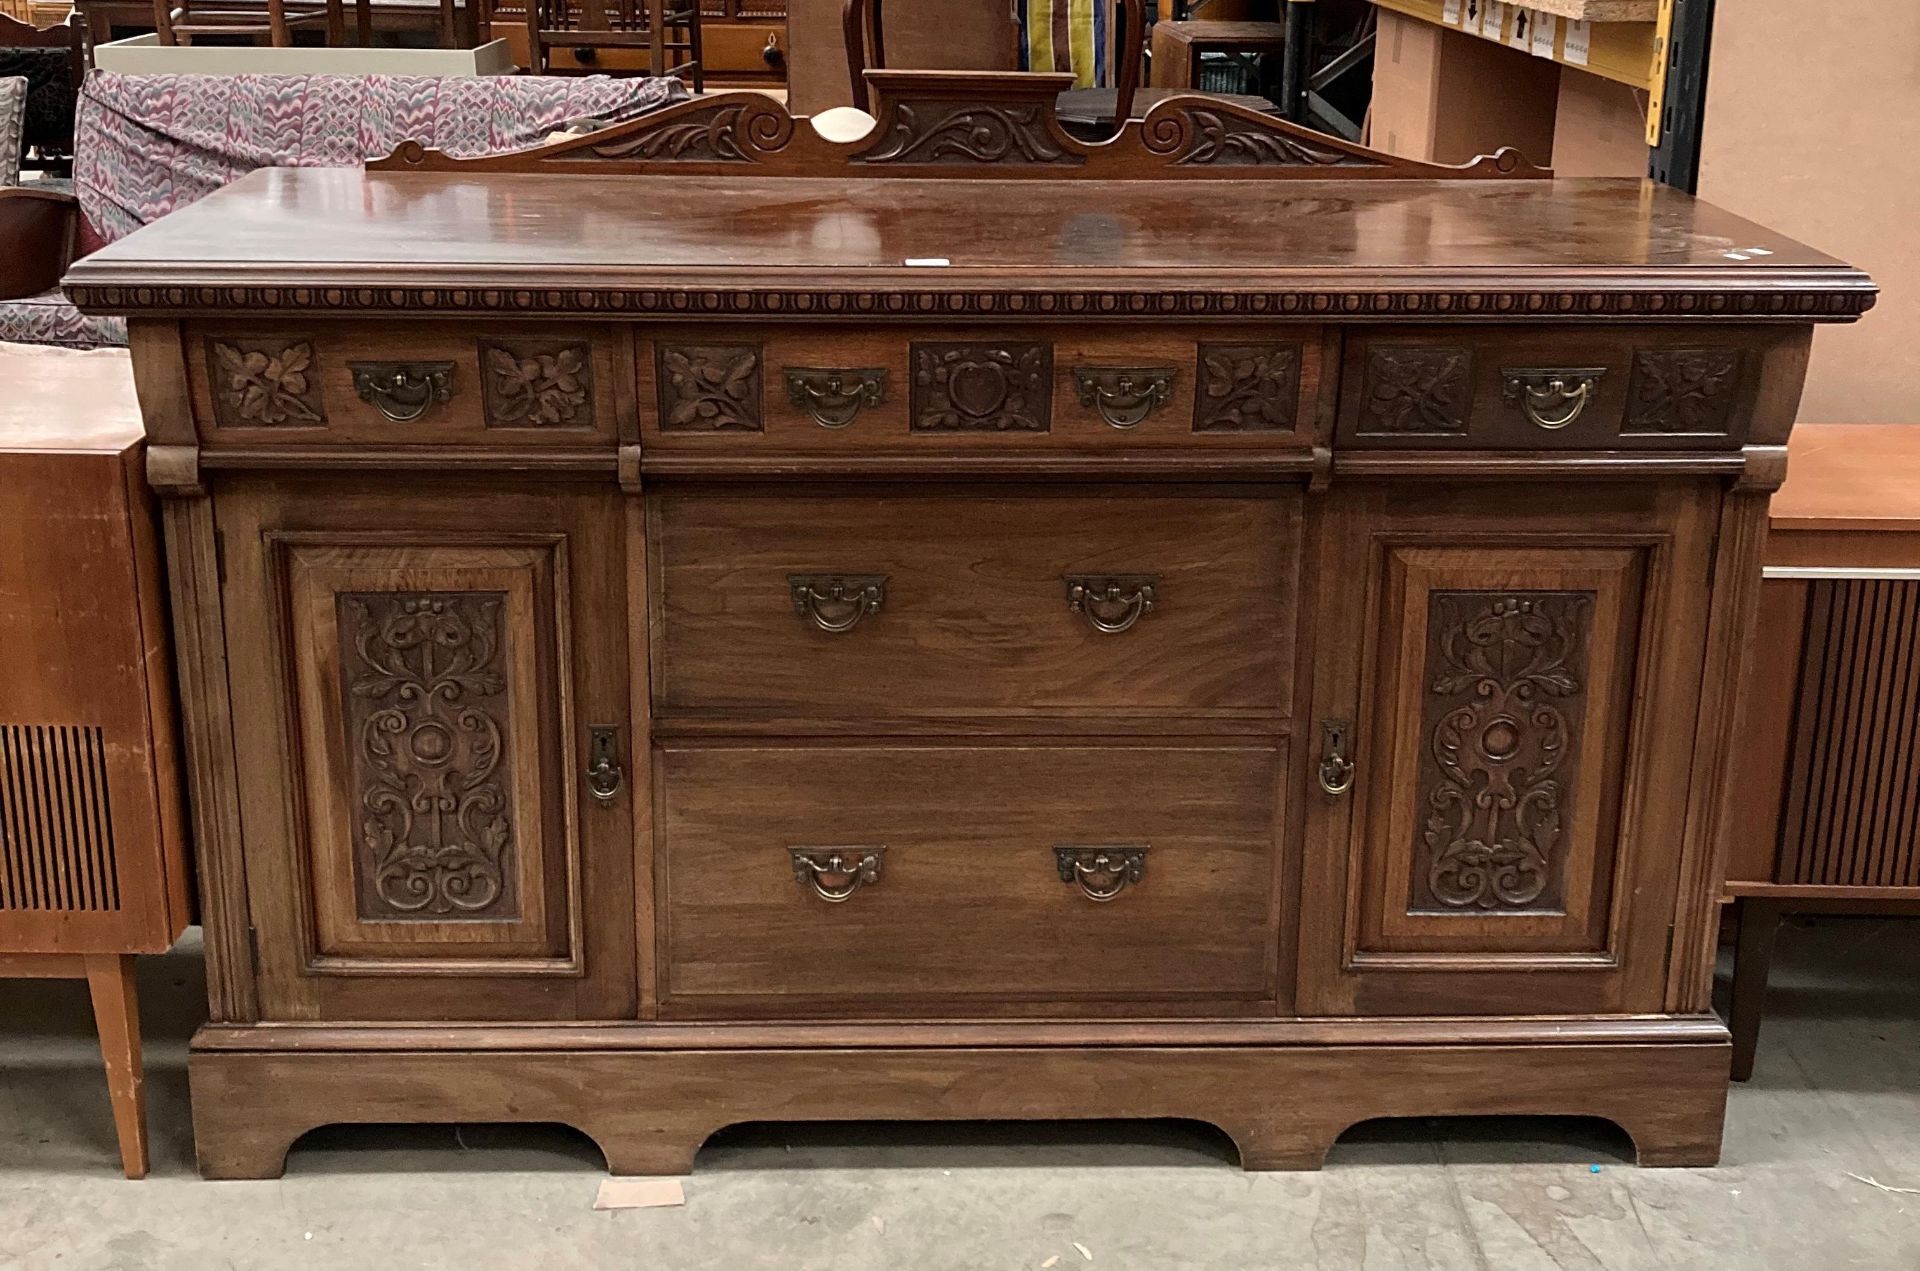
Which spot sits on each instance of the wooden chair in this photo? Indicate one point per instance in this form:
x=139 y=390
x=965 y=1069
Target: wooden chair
x=1093 y=113
x=93 y=862
x=662 y=27
x=54 y=61
x=178 y=22
x=461 y=25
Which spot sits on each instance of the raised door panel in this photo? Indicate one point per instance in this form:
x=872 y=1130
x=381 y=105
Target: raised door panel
x=1518 y=712
x=418 y=680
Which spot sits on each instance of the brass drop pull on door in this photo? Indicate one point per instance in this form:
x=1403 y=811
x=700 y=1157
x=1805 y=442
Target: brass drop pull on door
x=603 y=763
x=1101 y=873
x=1111 y=603
x=1336 y=770
x=402 y=391
x=836 y=602
x=1552 y=399
x=835 y=873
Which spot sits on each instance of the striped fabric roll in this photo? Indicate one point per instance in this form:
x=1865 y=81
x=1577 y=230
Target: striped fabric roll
x=1068 y=35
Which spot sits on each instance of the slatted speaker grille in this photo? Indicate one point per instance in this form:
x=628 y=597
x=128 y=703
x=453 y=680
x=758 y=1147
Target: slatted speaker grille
x=1854 y=797
x=56 y=828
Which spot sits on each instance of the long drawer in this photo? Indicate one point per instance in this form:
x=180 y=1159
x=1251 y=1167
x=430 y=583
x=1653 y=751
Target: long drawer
x=902 y=879
x=326 y=384
x=1022 y=387
x=875 y=605
x=1523 y=388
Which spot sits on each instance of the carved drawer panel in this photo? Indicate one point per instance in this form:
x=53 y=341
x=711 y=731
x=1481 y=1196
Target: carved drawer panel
x=970 y=880
x=331 y=383
x=745 y=390
x=1570 y=388
x=855 y=605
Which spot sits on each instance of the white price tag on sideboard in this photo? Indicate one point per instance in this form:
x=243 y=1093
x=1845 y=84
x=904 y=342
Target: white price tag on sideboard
x=1545 y=26
x=1450 y=13
x=1521 y=37
x=1579 y=43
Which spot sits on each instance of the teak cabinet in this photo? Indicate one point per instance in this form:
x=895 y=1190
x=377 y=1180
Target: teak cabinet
x=664 y=662
x=93 y=843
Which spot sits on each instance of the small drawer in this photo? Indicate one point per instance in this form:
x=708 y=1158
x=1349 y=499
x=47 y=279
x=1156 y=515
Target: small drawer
x=966 y=879
x=1565 y=388
x=408 y=384
x=866 y=606
x=825 y=391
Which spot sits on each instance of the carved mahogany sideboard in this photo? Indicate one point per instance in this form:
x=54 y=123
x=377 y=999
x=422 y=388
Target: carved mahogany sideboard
x=700 y=623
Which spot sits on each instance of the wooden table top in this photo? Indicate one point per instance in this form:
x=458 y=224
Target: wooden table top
x=1221 y=34
x=578 y=233
x=1858 y=477
x=67 y=399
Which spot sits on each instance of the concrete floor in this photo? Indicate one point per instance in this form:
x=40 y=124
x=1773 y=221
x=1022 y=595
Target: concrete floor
x=1837 y=1095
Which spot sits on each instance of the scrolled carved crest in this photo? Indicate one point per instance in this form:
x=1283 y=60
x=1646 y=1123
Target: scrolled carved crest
x=426 y=701
x=1191 y=133
x=738 y=128
x=969 y=132
x=1506 y=696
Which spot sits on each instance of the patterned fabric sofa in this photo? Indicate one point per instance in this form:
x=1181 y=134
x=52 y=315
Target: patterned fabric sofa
x=147 y=144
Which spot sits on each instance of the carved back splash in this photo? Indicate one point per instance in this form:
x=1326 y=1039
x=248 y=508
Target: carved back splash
x=943 y=123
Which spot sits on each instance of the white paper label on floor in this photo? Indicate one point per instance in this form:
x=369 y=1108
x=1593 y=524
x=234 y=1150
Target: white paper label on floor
x=1545 y=27
x=1450 y=13
x=1579 y=43
x=640 y=1193
x=1521 y=37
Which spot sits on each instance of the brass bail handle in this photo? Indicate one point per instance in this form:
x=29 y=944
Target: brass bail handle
x=836 y=873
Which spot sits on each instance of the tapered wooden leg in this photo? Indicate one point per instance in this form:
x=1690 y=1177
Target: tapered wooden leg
x=1758 y=922
x=116 y=1014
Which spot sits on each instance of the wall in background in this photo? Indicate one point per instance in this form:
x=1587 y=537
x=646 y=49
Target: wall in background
x=1813 y=129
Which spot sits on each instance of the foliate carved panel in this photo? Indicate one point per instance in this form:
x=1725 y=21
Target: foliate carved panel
x=710 y=387
x=1683 y=391
x=537 y=384
x=1415 y=390
x=265 y=382
x=1247 y=387
x=427 y=711
x=1003 y=387
x=1506 y=692
x=970 y=132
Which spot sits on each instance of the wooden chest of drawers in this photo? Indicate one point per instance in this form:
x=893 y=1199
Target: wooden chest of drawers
x=755 y=627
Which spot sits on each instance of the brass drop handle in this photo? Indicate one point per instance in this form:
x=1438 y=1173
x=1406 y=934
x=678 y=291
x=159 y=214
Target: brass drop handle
x=835 y=603
x=1124 y=395
x=1336 y=770
x=833 y=398
x=1552 y=399
x=402 y=391
x=1102 y=872
x=603 y=763
x=836 y=873
x=1112 y=603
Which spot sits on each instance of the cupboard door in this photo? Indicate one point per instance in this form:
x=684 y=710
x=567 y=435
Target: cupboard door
x=1513 y=676
x=417 y=684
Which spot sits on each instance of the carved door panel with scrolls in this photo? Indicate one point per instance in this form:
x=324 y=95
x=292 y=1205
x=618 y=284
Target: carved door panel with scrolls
x=416 y=682
x=1514 y=677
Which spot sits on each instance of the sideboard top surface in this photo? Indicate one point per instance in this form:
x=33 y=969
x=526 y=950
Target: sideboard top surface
x=588 y=242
